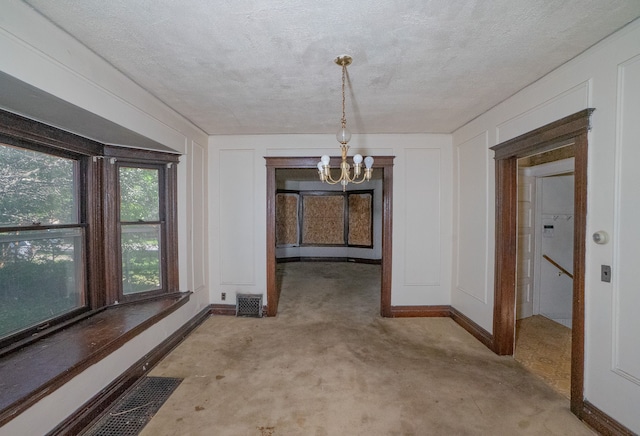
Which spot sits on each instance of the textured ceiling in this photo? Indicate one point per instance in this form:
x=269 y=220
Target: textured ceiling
x=266 y=66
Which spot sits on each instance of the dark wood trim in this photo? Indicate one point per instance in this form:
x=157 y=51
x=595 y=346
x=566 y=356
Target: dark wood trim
x=420 y=311
x=34 y=135
x=579 y=253
x=222 y=309
x=57 y=358
x=387 y=230
x=382 y=163
x=135 y=155
x=273 y=293
x=569 y=131
x=545 y=138
x=601 y=422
x=171 y=231
x=505 y=264
x=470 y=326
x=82 y=418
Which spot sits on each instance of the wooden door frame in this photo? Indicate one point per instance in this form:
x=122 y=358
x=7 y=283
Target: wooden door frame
x=571 y=130
x=383 y=163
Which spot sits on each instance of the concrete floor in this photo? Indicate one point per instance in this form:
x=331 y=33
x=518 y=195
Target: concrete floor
x=328 y=364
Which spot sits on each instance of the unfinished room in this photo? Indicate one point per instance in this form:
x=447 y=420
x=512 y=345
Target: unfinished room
x=319 y=218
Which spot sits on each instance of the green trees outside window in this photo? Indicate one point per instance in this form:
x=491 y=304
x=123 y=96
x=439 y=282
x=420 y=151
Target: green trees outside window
x=41 y=267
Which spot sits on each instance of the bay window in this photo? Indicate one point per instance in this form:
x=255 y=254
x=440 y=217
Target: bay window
x=83 y=226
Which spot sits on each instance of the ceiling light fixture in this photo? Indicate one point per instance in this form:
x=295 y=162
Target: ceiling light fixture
x=343 y=136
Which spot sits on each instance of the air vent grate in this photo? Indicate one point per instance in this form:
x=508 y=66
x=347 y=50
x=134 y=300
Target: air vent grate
x=249 y=305
x=136 y=408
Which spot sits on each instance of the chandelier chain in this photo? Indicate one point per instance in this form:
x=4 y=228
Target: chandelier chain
x=344 y=74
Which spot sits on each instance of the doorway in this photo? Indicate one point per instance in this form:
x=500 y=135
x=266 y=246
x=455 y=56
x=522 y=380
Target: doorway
x=571 y=130
x=544 y=282
x=382 y=163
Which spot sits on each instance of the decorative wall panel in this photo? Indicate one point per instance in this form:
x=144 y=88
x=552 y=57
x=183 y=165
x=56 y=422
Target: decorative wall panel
x=237 y=218
x=287 y=227
x=422 y=240
x=198 y=202
x=472 y=217
x=323 y=220
x=360 y=219
x=626 y=274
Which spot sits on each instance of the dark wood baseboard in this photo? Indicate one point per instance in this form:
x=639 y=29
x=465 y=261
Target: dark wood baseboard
x=469 y=325
x=420 y=311
x=601 y=422
x=222 y=309
x=91 y=411
x=329 y=259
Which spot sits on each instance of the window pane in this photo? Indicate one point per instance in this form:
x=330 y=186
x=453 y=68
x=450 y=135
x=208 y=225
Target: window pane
x=139 y=194
x=35 y=188
x=41 y=277
x=140 y=258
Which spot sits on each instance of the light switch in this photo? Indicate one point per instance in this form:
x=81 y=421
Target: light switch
x=605 y=273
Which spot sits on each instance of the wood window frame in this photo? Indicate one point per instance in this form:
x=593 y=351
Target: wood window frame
x=166 y=164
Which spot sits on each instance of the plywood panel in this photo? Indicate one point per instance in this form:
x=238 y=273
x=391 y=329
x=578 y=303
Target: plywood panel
x=360 y=219
x=287 y=219
x=323 y=219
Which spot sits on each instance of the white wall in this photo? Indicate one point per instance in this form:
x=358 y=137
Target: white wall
x=554 y=291
x=607 y=78
x=75 y=84
x=421 y=210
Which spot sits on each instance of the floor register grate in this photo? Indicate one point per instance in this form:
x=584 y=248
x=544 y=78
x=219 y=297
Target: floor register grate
x=133 y=411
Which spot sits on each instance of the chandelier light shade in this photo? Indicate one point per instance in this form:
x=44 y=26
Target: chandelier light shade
x=344 y=136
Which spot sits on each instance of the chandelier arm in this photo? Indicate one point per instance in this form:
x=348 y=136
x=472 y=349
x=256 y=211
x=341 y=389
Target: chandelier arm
x=329 y=179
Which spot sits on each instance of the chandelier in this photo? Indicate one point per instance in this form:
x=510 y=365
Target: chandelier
x=343 y=136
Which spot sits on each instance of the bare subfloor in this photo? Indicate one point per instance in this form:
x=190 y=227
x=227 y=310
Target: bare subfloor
x=328 y=364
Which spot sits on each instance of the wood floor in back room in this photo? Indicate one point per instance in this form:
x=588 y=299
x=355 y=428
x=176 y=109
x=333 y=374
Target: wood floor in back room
x=543 y=346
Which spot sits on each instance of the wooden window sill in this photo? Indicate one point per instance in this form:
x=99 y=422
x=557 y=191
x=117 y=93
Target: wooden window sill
x=34 y=371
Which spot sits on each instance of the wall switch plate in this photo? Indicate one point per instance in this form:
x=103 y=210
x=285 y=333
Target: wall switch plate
x=223 y=296
x=605 y=273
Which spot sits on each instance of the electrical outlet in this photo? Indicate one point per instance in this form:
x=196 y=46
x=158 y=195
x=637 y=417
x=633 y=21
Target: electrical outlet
x=224 y=296
x=605 y=273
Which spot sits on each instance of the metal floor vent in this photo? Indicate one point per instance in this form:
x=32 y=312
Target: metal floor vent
x=249 y=305
x=133 y=411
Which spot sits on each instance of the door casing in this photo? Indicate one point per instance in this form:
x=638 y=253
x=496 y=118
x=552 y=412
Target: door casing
x=571 y=130
x=382 y=163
